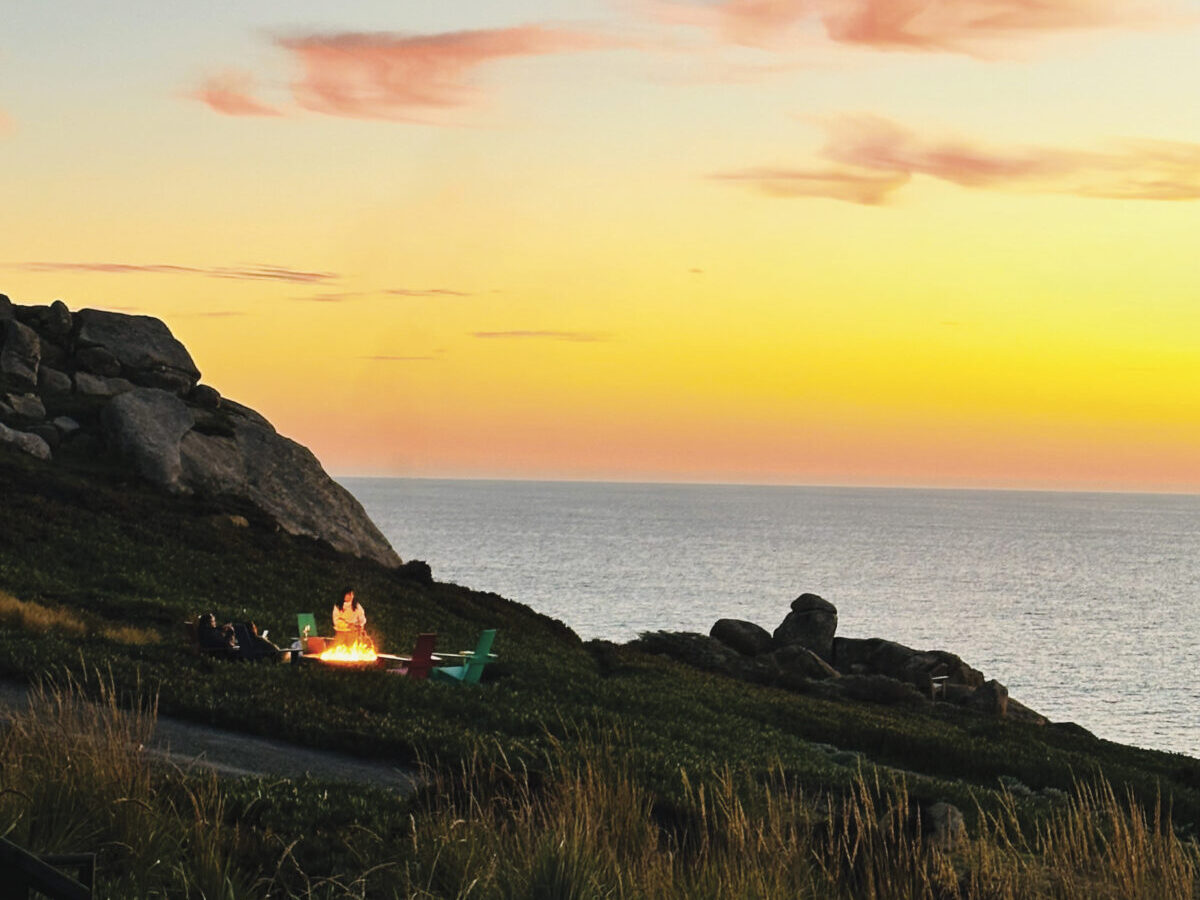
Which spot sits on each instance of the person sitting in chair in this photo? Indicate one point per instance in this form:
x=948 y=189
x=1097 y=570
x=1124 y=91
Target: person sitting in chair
x=214 y=637
x=254 y=646
x=349 y=619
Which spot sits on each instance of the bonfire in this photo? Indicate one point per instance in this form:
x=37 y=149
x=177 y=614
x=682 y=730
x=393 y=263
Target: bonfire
x=362 y=650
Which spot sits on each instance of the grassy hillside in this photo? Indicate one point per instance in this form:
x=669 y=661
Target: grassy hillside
x=100 y=572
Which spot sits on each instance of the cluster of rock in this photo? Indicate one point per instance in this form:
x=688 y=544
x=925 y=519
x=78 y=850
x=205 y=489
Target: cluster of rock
x=97 y=383
x=804 y=653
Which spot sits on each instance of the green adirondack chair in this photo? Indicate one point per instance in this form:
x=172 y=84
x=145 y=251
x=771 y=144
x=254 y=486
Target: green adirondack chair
x=472 y=662
x=306 y=628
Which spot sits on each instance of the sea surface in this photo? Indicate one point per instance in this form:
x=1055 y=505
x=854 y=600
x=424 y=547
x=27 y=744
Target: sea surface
x=1087 y=606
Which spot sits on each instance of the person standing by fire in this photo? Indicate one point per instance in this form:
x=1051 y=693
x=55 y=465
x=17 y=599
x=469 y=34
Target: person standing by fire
x=349 y=619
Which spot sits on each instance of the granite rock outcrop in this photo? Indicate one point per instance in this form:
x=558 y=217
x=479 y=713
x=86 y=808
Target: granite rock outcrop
x=95 y=383
x=805 y=654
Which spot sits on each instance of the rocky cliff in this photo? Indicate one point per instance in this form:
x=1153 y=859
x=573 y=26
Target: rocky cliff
x=121 y=387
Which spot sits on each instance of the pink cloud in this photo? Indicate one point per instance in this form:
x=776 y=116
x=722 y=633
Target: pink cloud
x=853 y=187
x=971 y=26
x=426 y=292
x=1145 y=170
x=341 y=296
x=247 y=273
x=393 y=76
x=881 y=156
x=231 y=93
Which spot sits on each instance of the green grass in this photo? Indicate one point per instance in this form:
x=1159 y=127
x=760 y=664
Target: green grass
x=85 y=556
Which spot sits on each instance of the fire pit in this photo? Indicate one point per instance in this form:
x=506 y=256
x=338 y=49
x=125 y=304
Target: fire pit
x=359 y=655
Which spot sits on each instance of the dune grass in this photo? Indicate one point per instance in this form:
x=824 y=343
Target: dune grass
x=583 y=825
x=28 y=615
x=589 y=829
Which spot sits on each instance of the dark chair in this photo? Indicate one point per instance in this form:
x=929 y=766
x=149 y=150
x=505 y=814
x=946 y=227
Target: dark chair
x=421 y=661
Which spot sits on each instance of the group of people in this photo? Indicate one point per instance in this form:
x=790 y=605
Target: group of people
x=241 y=640
x=235 y=640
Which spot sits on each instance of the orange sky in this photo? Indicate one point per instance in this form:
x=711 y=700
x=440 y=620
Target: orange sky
x=936 y=242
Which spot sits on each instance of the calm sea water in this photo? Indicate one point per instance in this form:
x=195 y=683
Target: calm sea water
x=1087 y=606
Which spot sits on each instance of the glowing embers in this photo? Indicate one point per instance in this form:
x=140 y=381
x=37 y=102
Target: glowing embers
x=358 y=652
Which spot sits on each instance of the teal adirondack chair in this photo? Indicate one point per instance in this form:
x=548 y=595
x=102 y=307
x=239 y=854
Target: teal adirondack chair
x=473 y=662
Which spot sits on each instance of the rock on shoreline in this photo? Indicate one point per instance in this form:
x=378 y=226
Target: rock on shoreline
x=98 y=384
x=805 y=654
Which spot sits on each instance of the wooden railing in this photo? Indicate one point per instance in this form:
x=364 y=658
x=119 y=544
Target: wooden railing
x=22 y=872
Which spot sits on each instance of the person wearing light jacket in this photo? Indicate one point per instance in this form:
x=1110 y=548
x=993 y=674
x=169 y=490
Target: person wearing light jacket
x=349 y=619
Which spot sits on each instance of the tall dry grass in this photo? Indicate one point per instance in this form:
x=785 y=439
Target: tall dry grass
x=75 y=779
x=587 y=829
x=28 y=615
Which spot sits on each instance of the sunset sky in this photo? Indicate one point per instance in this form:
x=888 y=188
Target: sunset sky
x=911 y=242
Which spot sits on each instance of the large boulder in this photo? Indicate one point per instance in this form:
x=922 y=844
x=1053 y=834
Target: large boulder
x=96 y=386
x=917 y=667
x=744 y=637
x=697 y=650
x=797 y=661
x=25 y=442
x=148 y=353
x=285 y=481
x=811 y=623
x=145 y=425
x=53 y=321
x=991 y=698
x=134 y=389
x=52 y=381
x=20 y=354
x=26 y=408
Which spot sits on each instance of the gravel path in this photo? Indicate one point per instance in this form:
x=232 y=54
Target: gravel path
x=187 y=745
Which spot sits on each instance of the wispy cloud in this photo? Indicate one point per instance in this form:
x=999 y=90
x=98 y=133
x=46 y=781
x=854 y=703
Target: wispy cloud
x=853 y=187
x=212 y=314
x=232 y=93
x=246 y=273
x=970 y=26
x=383 y=75
x=400 y=358
x=884 y=156
x=343 y=296
x=426 y=292
x=574 y=336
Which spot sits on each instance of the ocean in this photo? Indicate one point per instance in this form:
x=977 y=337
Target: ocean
x=1086 y=606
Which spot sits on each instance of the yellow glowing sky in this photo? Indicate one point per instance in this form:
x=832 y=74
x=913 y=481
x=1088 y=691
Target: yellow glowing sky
x=941 y=242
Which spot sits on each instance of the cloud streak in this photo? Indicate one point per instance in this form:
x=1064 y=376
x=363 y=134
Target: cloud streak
x=965 y=26
x=426 y=292
x=400 y=358
x=382 y=75
x=231 y=93
x=882 y=156
x=573 y=336
x=246 y=273
x=342 y=296
x=853 y=187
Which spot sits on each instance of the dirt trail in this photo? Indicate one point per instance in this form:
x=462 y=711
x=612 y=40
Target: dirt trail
x=187 y=745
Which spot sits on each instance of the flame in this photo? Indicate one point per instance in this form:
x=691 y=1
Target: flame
x=359 y=651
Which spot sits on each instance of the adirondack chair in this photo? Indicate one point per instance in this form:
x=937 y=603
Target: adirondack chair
x=421 y=661
x=306 y=628
x=472 y=662
x=306 y=621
